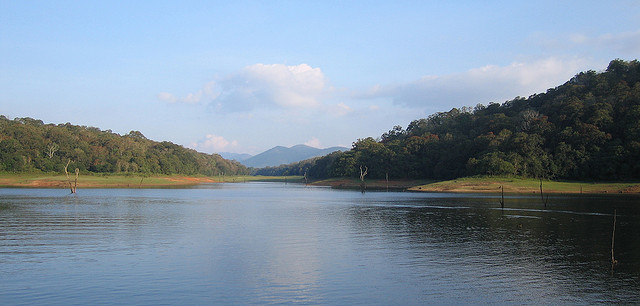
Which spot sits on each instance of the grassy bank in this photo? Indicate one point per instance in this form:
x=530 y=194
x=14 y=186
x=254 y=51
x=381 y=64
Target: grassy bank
x=527 y=185
x=43 y=180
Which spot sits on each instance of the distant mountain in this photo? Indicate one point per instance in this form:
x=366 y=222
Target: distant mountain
x=282 y=155
x=235 y=156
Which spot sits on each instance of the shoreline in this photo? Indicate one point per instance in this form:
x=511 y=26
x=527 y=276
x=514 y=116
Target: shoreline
x=489 y=185
x=528 y=186
x=353 y=183
x=511 y=185
x=59 y=181
x=96 y=181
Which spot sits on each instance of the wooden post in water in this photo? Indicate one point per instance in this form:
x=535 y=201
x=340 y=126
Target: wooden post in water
x=502 y=199
x=387 y=178
x=542 y=195
x=75 y=183
x=613 y=237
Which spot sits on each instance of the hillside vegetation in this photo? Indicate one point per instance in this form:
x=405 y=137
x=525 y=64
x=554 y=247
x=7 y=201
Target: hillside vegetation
x=585 y=129
x=29 y=145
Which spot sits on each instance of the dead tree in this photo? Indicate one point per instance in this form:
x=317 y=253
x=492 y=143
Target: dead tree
x=52 y=148
x=73 y=186
x=544 y=201
x=362 y=175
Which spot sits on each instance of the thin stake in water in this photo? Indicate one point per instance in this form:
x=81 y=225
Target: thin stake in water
x=613 y=237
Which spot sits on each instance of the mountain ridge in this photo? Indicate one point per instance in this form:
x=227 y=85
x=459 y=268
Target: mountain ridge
x=280 y=155
x=235 y=156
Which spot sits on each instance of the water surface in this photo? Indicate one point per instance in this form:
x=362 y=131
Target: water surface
x=274 y=243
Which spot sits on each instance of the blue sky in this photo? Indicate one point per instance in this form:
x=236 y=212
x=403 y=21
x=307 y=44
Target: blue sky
x=244 y=76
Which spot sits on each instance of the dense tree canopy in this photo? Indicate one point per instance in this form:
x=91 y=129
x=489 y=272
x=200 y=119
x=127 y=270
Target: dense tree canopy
x=587 y=128
x=28 y=145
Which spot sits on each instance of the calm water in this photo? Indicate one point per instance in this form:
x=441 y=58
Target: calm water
x=274 y=243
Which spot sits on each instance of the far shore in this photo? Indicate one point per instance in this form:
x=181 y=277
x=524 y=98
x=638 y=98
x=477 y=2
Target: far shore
x=353 y=183
x=513 y=185
x=34 y=180
x=489 y=185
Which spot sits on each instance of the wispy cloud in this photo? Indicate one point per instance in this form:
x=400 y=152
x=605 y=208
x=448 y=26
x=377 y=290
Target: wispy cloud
x=626 y=43
x=490 y=83
x=338 y=110
x=209 y=91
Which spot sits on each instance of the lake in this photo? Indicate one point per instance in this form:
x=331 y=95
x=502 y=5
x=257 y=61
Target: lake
x=271 y=243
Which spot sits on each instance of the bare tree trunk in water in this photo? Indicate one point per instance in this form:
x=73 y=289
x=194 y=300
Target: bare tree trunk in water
x=75 y=185
x=362 y=175
x=542 y=196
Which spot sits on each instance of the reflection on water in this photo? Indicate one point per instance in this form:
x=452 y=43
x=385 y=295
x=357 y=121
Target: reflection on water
x=274 y=243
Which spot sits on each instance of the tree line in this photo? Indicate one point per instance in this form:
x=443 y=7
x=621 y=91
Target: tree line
x=29 y=145
x=585 y=129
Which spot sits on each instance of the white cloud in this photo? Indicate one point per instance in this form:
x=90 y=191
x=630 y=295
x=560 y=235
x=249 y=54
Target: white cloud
x=313 y=142
x=480 y=85
x=214 y=143
x=287 y=86
x=261 y=86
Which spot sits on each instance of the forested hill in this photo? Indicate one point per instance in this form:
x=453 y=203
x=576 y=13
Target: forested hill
x=28 y=145
x=587 y=128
